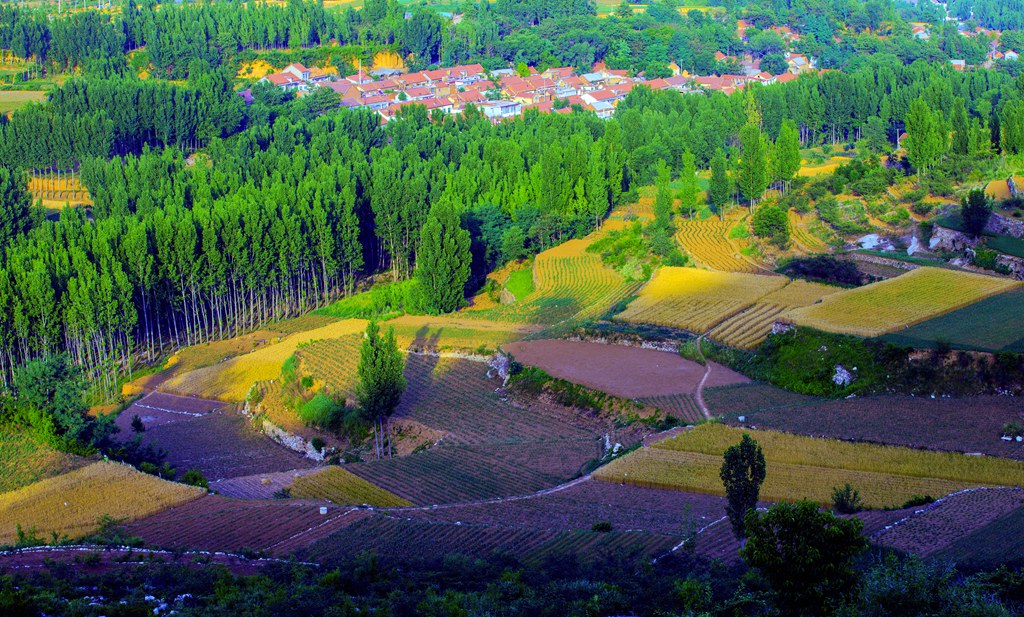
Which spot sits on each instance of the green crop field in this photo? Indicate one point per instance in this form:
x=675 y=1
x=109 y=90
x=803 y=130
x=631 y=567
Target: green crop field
x=990 y=325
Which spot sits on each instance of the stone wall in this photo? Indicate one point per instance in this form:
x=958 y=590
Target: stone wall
x=1005 y=226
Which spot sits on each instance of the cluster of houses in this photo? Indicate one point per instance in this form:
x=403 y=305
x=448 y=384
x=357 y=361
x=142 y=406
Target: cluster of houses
x=505 y=94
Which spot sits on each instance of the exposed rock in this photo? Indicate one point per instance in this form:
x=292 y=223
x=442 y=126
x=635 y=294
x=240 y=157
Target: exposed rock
x=842 y=376
x=1014 y=264
x=1005 y=226
x=915 y=246
x=945 y=239
x=506 y=297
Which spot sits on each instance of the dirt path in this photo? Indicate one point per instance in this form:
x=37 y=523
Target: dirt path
x=699 y=395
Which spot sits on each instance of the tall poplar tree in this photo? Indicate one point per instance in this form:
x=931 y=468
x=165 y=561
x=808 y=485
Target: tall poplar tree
x=688 y=180
x=753 y=171
x=381 y=382
x=720 y=188
x=443 y=260
x=787 y=153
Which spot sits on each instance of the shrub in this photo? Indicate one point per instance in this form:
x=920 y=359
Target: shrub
x=1013 y=429
x=771 y=223
x=601 y=527
x=824 y=268
x=284 y=493
x=307 y=381
x=321 y=411
x=137 y=425
x=195 y=477
x=918 y=500
x=846 y=500
x=318 y=444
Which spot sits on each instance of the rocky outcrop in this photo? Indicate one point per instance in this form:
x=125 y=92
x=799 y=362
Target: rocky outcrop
x=945 y=239
x=1014 y=264
x=1004 y=226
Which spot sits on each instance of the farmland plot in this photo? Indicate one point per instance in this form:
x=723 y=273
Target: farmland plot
x=998 y=543
x=217 y=523
x=954 y=425
x=751 y=327
x=627 y=372
x=232 y=379
x=568 y=283
x=697 y=300
x=390 y=538
x=989 y=325
x=72 y=503
x=341 y=487
x=801 y=467
x=158 y=409
x=24 y=461
x=934 y=527
x=708 y=242
x=895 y=304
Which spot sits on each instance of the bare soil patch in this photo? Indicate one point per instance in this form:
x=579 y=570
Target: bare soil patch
x=628 y=372
x=157 y=409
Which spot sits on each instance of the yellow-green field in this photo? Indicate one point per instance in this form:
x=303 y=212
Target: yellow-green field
x=454 y=333
x=697 y=300
x=804 y=467
x=232 y=379
x=344 y=488
x=894 y=304
x=72 y=503
x=749 y=328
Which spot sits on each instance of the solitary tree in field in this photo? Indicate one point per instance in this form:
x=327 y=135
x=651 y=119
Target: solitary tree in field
x=442 y=263
x=381 y=382
x=742 y=473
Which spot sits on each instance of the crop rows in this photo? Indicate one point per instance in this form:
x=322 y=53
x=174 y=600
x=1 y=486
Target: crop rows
x=682 y=406
x=691 y=471
x=390 y=538
x=448 y=394
x=938 y=525
x=72 y=503
x=222 y=524
x=713 y=439
x=343 y=488
x=697 y=300
x=989 y=325
x=891 y=305
x=802 y=467
x=447 y=474
x=708 y=242
x=805 y=240
x=569 y=282
x=624 y=506
x=232 y=380
x=751 y=327
x=746 y=398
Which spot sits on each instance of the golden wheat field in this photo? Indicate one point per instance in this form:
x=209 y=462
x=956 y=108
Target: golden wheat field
x=803 y=467
x=697 y=300
x=344 y=488
x=454 y=333
x=749 y=328
x=897 y=303
x=707 y=241
x=803 y=239
x=72 y=503
x=232 y=379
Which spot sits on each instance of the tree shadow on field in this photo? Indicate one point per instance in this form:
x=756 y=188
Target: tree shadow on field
x=420 y=362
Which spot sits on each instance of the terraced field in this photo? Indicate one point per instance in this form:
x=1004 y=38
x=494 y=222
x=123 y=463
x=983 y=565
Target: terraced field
x=569 y=283
x=749 y=328
x=901 y=302
x=72 y=503
x=802 y=467
x=682 y=406
x=698 y=300
x=231 y=380
x=801 y=237
x=708 y=242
